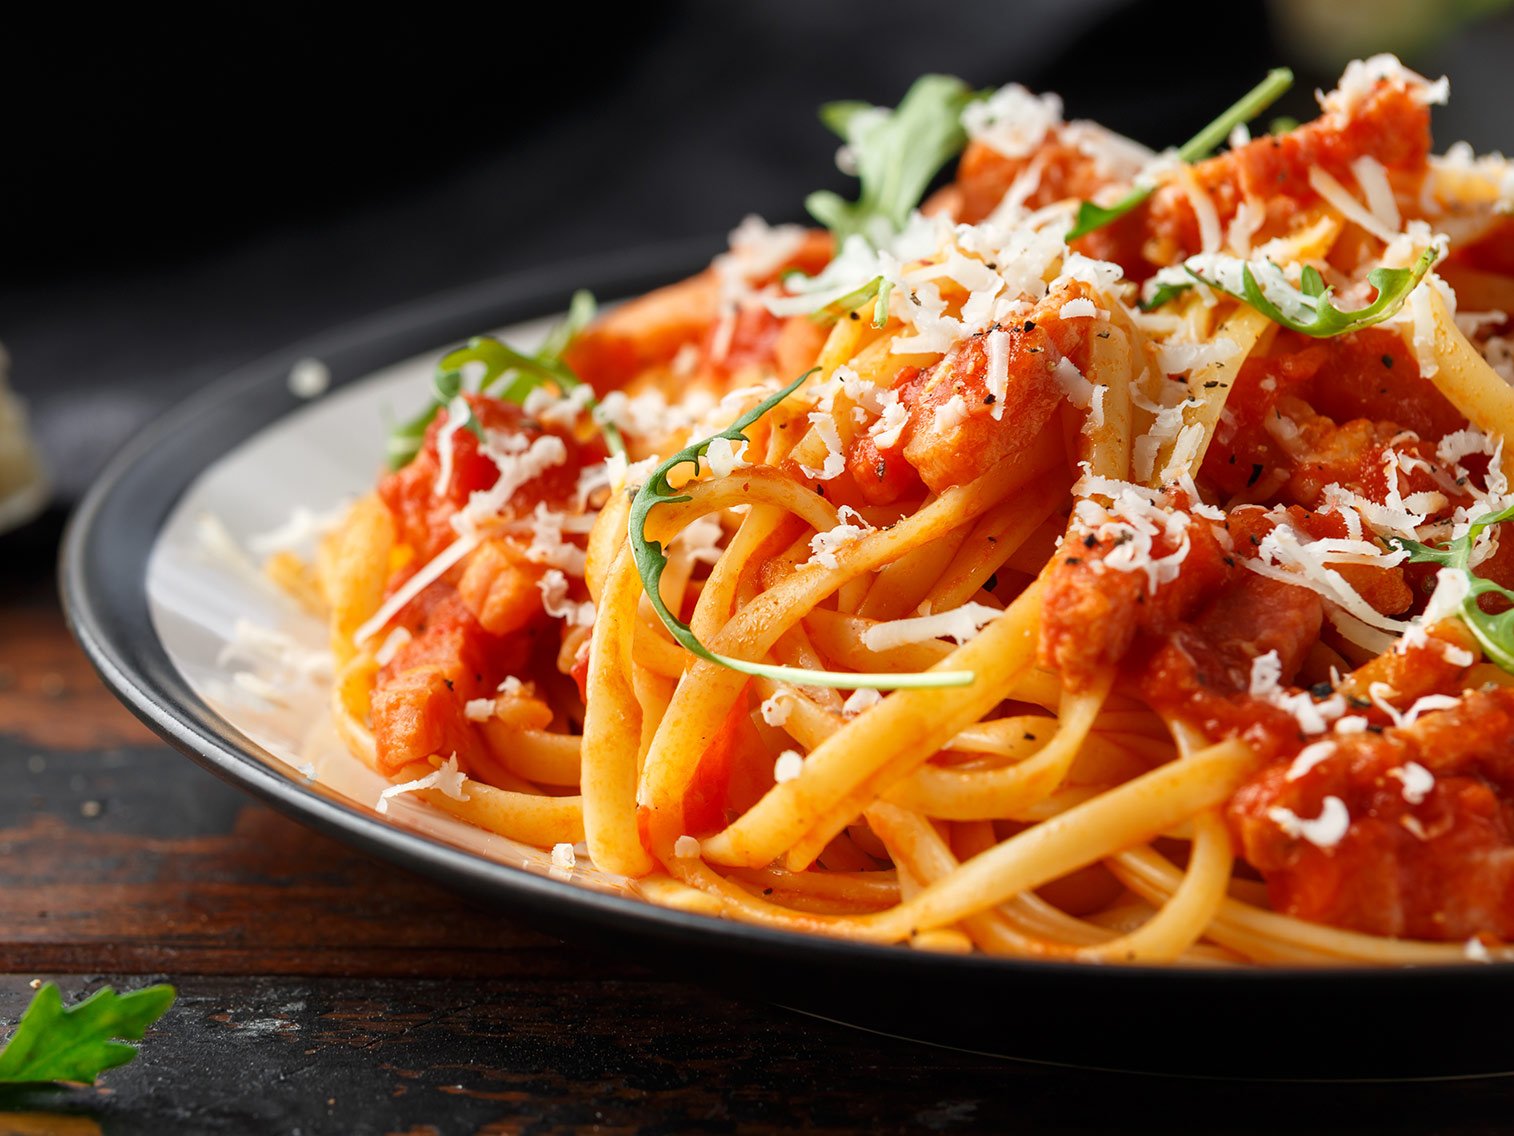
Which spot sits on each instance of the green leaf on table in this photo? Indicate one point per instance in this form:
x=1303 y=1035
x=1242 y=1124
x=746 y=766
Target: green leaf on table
x=77 y=1043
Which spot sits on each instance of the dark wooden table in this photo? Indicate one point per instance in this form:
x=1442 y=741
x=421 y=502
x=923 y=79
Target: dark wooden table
x=324 y=992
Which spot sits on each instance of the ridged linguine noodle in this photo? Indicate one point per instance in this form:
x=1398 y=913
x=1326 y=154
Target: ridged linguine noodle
x=1101 y=557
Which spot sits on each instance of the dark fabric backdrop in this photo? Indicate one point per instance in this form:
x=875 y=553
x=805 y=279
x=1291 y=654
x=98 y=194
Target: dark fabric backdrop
x=181 y=197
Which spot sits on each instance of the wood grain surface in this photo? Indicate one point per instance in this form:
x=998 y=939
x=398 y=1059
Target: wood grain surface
x=324 y=992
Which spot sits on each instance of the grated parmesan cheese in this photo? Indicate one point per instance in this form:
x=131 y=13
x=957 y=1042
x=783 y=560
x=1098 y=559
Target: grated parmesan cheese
x=1075 y=388
x=700 y=539
x=547 y=543
x=777 y=707
x=518 y=463
x=1416 y=779
x=297 y=533
x=1361 y=75
x=1372 y=177
x=952 y=413
x=860 y=700
x=725 y=456
x=458 y=413
x=287 y=660
x=824 y=546
x=1080 y=307
x=996 y=376
x=553 y=586
x=1135 y=517
x=553 y=409
x=1179 y=358
x=391 y=646
x=479 y=709
x=686 y=848
x=563 y=856
x=790 y=765
x=414 y=586
x=959 y=624
x=1324 y=831
x=1247 y=222
x=1312 y=717
x=835 y=461
x=1308 y=757
x=1339 y=198
x=447 y=778
x=893 y=417
x=1012 y=120
x=1204 y=212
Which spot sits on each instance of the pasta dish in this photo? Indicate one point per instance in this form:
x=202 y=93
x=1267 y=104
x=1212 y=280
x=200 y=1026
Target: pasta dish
x=1099 y=557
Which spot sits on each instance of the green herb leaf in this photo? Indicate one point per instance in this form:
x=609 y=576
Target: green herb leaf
x=651 y=560
x=582 y=309
x=877 y=289
x=405 y=440
x=58 y=1043
x=1393 y=286
x=1164 y=294
x=897 y=152
x=1201 y=145
x=518 y=372
x=1282 y=124
x=1091 y=216
x=1494 y=632
x=880 y=306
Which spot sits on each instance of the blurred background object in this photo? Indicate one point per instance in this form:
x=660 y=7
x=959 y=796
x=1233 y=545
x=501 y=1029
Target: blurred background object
x=23 y=484
x=1326 y=36
x=182 y=197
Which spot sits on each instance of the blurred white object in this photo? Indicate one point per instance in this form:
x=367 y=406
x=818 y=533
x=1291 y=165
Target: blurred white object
x=23 y=483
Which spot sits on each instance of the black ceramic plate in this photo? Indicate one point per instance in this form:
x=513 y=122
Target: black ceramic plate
x=1295 y=1023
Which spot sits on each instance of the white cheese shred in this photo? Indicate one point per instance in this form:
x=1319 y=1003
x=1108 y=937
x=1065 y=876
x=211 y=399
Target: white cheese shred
x=1324 y=831
x=447 y=778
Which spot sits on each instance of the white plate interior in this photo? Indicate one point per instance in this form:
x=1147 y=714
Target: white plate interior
x=203 y=577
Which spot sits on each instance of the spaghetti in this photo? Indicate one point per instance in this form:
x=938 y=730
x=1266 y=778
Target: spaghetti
x=1102 y=561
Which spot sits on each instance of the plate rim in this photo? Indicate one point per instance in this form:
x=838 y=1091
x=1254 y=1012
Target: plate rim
x=524 y=295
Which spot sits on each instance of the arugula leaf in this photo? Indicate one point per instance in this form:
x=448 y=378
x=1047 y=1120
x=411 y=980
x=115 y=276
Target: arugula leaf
x=1494 y=632
x=405 y=440
x=1393 y=286
x=877 y=289
x=520 y=373
x=897 y=152
x=57 y=1043
x=651 y=559
x=1164 y=294
x=582 y=309
x=1201 y=145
